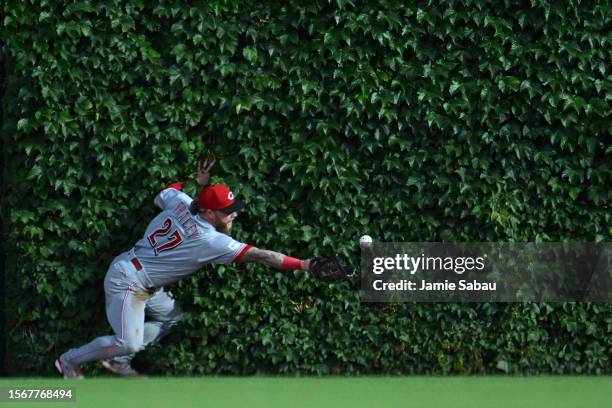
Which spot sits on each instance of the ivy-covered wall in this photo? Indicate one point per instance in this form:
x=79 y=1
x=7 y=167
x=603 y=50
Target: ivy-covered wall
x=422 y=121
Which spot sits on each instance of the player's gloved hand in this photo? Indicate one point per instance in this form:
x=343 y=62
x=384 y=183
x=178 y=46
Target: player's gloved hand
x=205 y=164
x=329 y=269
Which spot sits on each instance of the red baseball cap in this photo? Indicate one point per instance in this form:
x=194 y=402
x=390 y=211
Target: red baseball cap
x=219 y=197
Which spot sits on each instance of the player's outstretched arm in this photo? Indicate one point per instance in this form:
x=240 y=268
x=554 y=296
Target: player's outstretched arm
x=275 y=259
x=325 y=268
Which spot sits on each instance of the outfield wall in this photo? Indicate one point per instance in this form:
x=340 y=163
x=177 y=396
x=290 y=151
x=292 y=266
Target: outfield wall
x=463 y=122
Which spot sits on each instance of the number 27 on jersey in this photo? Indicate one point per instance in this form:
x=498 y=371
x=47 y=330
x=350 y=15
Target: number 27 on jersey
x=174 y=238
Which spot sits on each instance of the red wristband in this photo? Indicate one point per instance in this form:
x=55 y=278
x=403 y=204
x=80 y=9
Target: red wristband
x=292 y=263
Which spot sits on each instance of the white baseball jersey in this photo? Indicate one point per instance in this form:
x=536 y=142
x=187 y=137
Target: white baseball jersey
x=177 y=243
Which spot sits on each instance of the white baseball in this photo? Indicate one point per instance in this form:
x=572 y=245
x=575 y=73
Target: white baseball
x=365 y=241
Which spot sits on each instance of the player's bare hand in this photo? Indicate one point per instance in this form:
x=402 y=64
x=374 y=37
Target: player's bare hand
x=205 y=165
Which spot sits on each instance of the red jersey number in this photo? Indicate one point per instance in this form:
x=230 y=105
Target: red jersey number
x=174 y=238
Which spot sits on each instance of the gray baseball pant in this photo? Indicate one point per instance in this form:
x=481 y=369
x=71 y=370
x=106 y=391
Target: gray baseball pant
x=161 y=313
x=127 y=303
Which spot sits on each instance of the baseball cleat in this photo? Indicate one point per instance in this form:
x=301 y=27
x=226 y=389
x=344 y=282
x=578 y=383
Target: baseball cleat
x=122 y=369
x=67 y=370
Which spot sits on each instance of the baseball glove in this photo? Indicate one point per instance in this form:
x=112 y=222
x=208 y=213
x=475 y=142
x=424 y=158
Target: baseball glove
x=328 y=269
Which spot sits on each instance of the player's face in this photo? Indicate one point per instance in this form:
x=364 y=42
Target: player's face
x=223 y=222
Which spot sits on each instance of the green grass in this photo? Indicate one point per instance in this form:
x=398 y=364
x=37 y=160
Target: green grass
x=355 y=392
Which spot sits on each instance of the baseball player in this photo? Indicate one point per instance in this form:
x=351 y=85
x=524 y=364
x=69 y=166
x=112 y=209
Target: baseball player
x=185 y=235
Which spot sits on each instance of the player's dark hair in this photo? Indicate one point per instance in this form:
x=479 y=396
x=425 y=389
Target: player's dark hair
x=194 y=208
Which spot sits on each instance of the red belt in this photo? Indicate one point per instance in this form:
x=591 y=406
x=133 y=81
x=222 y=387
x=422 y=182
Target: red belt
x=136 y=264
